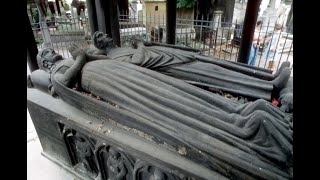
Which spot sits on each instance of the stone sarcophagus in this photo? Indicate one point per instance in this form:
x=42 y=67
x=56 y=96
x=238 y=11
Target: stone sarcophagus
x=93 y=148
x=152 y=111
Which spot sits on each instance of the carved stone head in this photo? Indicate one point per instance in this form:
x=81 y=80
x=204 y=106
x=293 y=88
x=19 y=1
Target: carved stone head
x=101 y=40
x=46 y=58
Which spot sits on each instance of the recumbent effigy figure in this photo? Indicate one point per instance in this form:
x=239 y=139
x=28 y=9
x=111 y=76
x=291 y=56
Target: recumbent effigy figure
x=244 y=141
x=188 y=65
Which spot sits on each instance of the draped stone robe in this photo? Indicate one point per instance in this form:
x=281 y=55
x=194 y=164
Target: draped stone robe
x=183 y=65
x=247 y=141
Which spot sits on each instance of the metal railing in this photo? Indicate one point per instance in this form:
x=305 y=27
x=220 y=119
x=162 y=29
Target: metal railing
x=216 y=39
x=59 y=33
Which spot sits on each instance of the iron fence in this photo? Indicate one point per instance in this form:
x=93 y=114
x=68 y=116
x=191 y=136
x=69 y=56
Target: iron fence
x=59 y=33
x=214 y=38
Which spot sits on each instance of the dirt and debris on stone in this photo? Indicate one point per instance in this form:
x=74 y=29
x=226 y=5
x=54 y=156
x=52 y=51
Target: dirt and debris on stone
x=167 y=146
x=135 y=131
x=238 y=99
x=107 y=131
x=100 y=126
x=140 y=133
x=182 y=150
x=76 y=87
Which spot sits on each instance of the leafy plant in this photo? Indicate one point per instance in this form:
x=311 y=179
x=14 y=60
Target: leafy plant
x=39 y=40
x=186 y=3
x=35 y=15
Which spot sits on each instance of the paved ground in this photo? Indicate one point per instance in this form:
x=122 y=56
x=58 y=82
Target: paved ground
x=39 y=167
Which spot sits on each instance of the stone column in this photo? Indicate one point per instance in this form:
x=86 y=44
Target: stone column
x=249 y=24
x=217 y=19
x=114 y=21
x=101 y=16
x=74 y=12
x=32 y=49
x=171 y=14
x=29 y=13
x=55 y=8
x=43 y=26
x=61 y=8
x=140 y=17
x=57 y=3
x=135 y=12
x=228 y=10
x=92 y=16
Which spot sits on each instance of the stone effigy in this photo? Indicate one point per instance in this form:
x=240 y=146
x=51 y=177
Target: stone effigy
x=191 y=67
x=245 y=141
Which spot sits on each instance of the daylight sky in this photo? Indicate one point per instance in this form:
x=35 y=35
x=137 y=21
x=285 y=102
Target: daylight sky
x=70 y=1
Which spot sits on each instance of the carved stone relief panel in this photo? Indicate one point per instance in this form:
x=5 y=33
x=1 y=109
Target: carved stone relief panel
x=143 y=170
x=81 y=151
x=113 y=163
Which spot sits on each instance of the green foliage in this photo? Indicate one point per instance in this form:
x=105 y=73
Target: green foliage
x=66 y=5
x=186 y=3
x=35 y=15
x=68 y=28
x=39 y=40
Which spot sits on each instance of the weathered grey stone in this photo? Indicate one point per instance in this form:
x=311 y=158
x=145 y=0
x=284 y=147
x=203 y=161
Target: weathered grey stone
x=244 y=141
